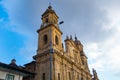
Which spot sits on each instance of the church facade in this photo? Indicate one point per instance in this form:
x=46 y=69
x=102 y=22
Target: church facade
x=52 y=61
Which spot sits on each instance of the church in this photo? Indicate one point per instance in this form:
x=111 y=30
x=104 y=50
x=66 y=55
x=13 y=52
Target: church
x=53 y=60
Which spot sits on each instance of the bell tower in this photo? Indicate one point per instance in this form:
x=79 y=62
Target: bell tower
x=49 y=32
x=52 y=62
x=49 y=43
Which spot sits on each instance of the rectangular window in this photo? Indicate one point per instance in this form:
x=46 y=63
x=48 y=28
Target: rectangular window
x=69 y=76
x=81 y=78
x=77 y=77
x=9 y=77
x=43 y=76
x=86 y=78
x=58 y=76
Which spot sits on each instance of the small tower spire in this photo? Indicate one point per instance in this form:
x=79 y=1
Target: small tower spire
x=95 y=77
x=71 y=37
x=75 y=37
x=67 y=37
x=13 y=63
x=49 y=7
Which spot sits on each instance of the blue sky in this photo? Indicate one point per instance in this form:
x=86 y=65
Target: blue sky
x=95 y=22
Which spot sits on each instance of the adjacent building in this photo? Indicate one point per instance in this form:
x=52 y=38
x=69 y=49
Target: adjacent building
x=13 y=72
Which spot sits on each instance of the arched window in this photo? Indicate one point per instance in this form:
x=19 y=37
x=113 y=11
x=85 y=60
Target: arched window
x=58 y=76
x=43 y=76
x=45 y=38
x=56 y=40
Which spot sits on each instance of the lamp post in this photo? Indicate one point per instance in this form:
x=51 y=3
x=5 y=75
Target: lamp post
x=61 y=22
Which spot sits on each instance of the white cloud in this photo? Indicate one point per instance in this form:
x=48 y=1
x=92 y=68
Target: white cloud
x=93 y=50
x=105 y=55
x=95 y=56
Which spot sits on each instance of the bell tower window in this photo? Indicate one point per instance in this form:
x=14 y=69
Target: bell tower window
x=46 y=20
x=56 y=40
x=45 y=38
